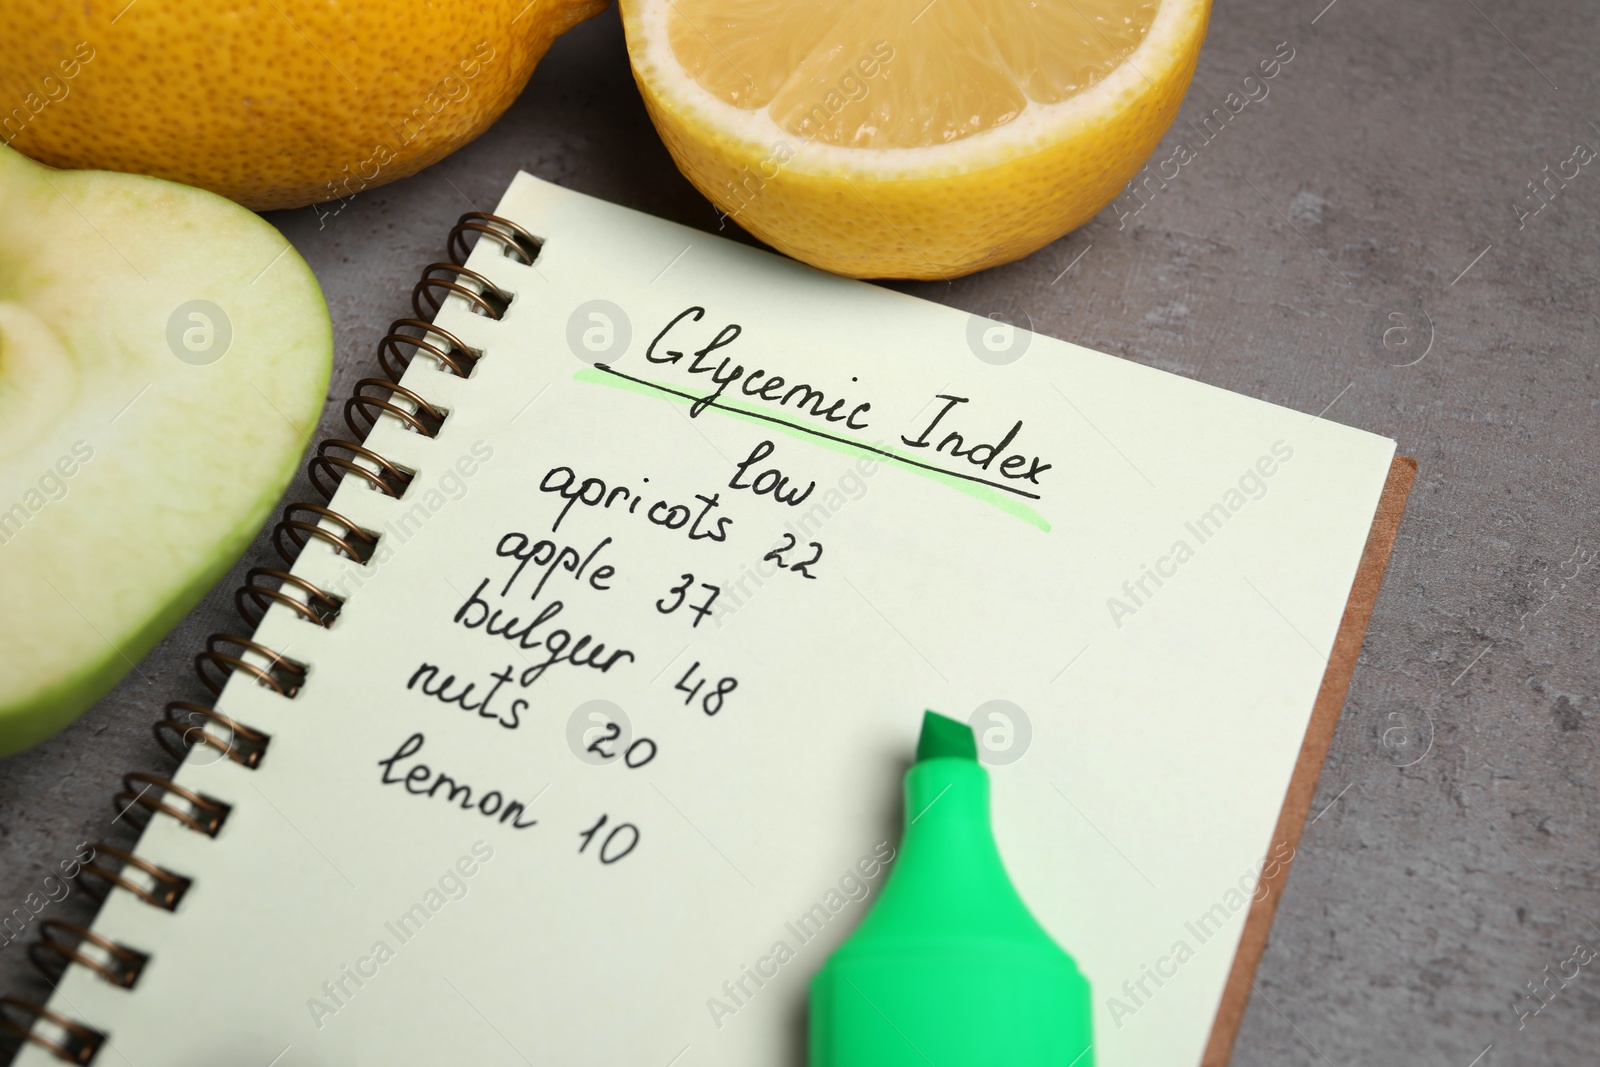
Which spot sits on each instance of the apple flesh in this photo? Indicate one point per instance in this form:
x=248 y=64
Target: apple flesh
x=164 y=357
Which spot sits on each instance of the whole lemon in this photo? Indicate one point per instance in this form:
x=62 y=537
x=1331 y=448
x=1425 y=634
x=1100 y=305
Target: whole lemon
x=273 y=103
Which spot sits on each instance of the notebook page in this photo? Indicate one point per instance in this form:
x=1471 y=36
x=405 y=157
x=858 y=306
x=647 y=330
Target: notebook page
x=700 y=634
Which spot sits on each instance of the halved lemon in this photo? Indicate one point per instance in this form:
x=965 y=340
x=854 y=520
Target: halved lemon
x=912 y=138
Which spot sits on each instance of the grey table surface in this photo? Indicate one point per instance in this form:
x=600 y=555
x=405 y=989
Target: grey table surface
x=1351 y=245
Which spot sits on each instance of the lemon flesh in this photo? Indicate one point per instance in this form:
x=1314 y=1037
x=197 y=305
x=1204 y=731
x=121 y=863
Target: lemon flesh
x=908 y=138
x=964 y=67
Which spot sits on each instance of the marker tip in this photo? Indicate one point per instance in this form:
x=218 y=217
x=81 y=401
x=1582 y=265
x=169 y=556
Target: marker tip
x=945 y=738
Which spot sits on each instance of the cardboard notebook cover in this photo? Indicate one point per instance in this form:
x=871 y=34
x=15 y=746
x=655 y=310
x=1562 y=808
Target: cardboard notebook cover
x=1308 y=768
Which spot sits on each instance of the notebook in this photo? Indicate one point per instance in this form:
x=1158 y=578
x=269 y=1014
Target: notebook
x=574 y=732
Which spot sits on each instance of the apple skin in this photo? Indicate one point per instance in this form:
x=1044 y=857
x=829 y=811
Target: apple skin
x=164 y=359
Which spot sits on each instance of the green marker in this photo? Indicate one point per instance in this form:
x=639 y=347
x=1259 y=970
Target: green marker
x=949 y=968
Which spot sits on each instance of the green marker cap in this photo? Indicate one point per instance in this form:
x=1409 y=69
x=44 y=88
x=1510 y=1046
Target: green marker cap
x=949 y=967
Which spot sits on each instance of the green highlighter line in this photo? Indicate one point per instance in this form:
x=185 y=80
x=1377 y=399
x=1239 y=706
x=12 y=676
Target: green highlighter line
x=949 y=968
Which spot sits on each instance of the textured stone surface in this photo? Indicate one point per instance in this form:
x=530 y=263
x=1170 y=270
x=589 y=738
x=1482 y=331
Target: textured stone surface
x=1386 y=157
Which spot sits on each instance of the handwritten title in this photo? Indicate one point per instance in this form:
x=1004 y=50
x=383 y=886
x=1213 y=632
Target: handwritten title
x=953 y=430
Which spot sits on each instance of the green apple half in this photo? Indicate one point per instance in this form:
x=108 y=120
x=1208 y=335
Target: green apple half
x=164 y=357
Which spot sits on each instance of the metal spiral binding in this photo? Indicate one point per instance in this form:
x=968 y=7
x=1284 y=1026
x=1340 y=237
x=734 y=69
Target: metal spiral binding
x=114 y=963
x=205 y=814
x=76 y=1043
x=185 y=724
x=355 y=542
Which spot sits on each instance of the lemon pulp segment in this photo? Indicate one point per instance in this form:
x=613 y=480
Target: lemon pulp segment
x=903 y=73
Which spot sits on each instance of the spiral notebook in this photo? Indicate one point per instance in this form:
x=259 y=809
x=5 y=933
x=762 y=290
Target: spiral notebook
x=570 y=730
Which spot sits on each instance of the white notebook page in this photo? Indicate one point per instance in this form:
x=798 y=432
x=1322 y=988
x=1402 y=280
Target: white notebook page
x=1152 y=570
